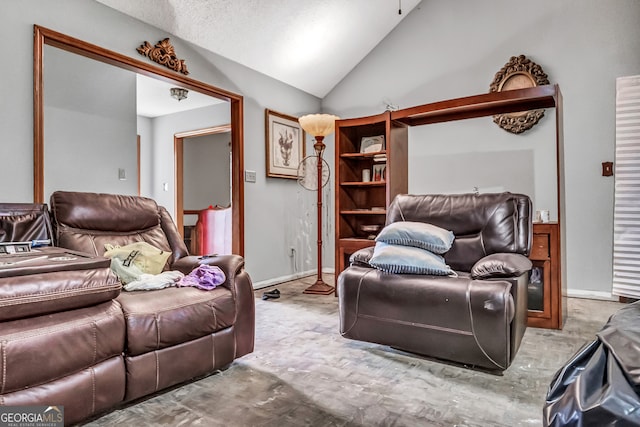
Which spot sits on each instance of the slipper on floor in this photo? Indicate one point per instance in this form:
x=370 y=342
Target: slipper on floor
x=273 y=294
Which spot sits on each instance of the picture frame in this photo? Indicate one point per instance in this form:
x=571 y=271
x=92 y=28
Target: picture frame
x=379 y=172
x=285 y=145
x=372 y=144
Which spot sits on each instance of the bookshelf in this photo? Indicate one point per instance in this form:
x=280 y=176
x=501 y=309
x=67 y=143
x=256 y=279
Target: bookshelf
x=361 y=201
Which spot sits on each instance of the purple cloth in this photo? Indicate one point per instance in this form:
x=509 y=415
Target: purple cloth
x=205 y=277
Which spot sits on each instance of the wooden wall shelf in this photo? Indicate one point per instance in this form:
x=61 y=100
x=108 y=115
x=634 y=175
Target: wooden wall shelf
x=356 y=200
x=482 y=105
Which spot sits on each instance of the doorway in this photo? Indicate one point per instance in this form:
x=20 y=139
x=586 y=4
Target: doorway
x=218 y=190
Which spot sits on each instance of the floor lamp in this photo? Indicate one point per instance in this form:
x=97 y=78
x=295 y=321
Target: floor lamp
x=319 y=125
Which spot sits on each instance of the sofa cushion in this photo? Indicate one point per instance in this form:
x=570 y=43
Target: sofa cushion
x=170 y=316
x=104 y=212
x=418 y=234
x=87 y=221
x=37 y=350
x=407 y=259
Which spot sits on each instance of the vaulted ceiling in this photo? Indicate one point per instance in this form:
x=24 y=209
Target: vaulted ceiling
x=308 y=44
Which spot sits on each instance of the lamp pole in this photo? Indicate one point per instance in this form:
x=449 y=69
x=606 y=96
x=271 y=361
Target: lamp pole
x=319 y=287
x=319 y=125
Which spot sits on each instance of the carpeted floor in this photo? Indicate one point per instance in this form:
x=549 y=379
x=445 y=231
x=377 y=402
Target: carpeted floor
x=303 y=373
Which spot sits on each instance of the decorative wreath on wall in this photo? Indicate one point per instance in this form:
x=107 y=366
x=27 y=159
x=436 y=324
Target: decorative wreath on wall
x=519 y=73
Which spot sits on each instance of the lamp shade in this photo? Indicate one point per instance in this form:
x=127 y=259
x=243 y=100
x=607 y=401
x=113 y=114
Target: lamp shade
x=318 y=124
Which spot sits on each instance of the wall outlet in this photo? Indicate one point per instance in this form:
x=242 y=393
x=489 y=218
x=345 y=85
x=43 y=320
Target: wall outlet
x=250 y=176
x=122 y=174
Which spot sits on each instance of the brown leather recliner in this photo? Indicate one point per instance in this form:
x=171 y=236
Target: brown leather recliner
x=477 y=318
x=172 y=334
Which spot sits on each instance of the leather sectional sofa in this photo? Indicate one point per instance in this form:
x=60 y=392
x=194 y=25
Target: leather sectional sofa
x=476 y=316
x=69 y=336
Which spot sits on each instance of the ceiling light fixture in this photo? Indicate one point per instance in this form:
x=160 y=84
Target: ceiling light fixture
x=179 y=93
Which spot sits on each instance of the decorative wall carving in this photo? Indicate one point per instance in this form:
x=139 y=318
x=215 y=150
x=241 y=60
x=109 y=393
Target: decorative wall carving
x=164 y=54
x=520 y=72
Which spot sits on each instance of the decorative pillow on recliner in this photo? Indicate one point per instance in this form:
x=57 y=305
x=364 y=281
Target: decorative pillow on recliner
x=501 y=265
x=146 y=257
x=408 y=259
x=417 y=234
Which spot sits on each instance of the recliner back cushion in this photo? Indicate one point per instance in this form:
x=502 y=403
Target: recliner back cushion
x=483 y=224
x=87 y=221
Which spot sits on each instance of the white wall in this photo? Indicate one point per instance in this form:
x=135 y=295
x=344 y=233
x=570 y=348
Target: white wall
x=266 y=243
x=447 y=49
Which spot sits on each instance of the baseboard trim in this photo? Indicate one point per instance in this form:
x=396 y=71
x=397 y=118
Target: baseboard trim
x=580 y=293
x=277 y=280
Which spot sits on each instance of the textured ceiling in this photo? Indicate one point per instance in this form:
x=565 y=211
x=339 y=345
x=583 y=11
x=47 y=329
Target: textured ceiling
x=308 y=44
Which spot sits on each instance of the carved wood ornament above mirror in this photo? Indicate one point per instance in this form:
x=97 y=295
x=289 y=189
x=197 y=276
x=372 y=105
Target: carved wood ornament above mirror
x=519 y=73
x=163 y=53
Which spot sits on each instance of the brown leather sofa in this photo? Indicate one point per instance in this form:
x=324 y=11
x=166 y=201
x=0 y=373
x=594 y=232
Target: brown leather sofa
x=477 y=318
x=70 y=337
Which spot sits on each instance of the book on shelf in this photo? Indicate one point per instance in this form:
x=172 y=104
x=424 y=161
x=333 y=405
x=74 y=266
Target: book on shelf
x=379 y=158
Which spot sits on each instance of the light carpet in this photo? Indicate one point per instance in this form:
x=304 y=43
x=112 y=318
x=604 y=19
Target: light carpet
x=303 y=373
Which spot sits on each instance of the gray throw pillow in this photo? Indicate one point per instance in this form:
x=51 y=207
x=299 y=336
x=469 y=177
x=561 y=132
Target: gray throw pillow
x=408 y=259
x=417 y=234
x=501 y=265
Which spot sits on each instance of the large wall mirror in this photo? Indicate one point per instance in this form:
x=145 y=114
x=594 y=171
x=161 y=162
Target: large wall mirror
x=99 y=120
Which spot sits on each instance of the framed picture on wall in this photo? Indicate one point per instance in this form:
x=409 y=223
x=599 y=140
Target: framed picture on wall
x=284 y=145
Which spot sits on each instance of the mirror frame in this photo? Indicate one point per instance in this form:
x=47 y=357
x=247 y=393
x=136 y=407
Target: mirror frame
x=44 y=36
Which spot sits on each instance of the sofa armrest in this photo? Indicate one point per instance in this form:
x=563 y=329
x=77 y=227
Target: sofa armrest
x=231 y=265
x=501 y=265
x=361 y=257
x=241 y=287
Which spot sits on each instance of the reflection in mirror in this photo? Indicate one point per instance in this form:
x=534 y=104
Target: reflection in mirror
x=471 y=156
x=90 y=126
x=89 y=109
x=207 y=182
x=207 y=190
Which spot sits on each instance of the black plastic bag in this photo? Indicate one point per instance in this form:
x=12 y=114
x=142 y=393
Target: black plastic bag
x=600 y=385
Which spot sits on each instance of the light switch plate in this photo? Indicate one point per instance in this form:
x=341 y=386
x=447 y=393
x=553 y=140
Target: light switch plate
x=250 y=176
